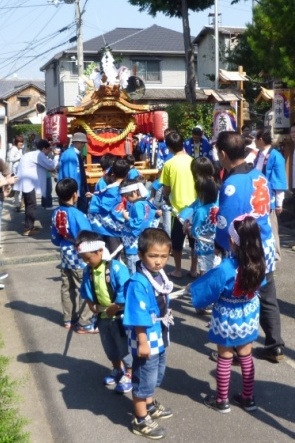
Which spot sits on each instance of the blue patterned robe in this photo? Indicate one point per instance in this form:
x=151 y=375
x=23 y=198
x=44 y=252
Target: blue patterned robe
x=235 y=320
x=246 y=190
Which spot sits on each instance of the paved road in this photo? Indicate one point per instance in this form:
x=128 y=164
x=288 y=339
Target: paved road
x=62 y=371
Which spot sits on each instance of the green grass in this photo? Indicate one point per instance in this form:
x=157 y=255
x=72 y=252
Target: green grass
x=12 y=425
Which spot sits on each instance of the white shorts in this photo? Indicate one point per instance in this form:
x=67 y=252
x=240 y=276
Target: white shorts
x=205 y=262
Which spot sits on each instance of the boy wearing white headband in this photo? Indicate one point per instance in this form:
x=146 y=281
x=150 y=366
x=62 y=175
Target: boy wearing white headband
x=141 y=215
x=102 y=288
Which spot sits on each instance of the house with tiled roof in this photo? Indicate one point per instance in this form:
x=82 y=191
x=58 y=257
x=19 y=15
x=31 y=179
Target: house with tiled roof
x=18 y=104
x=205 y=46
x=155 y=54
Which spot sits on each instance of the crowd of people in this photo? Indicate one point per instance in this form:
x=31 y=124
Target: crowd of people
x=113 y=254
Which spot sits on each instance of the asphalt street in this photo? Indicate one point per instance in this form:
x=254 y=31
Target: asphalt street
x=61 y=372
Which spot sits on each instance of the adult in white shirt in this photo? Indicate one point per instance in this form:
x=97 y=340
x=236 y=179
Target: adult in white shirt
x=16 y=153
x=32 y=175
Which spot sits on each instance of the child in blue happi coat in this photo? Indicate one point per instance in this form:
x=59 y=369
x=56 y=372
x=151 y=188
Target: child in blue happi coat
x=139 y=216
x=233 y=287
x=105 y=209
x=67 y=222
x=147 y=319
x=102 y=288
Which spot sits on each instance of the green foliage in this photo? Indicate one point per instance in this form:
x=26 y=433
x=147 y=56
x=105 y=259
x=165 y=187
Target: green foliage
x=11 y=423
x=90 y=67
x=171 y=8
x=183 y=117
x=269 y=38
x=25 y=129
x=243 y=55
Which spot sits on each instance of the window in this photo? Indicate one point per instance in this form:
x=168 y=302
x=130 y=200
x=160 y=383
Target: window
x=74 y=66
x=147 y=70
x=24 y=100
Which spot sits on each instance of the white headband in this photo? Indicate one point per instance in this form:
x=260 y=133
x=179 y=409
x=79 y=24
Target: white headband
x=135 y=187
x=92 y=246
x=232 y=231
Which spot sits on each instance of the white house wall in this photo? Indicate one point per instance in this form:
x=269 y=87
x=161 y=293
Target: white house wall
x=206 y=59
x=64 y=93
x=173 y=72
x=51 y=90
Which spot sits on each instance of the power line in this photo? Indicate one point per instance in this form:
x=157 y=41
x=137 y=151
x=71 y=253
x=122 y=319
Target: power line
x=37 y=56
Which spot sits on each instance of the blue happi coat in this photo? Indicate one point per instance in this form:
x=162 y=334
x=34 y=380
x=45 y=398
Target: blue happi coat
x=67 y=222
x=246 y=190
x=205 y=148
x=141 y=216
x=234 y=320
x=105 y=211
x=142 y=310
x=119 y=275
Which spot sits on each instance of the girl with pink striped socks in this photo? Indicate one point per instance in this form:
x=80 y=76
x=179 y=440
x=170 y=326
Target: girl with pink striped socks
x=233 y=288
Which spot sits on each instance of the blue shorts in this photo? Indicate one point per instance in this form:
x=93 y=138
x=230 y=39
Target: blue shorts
x=147 y=374
x=114 y=340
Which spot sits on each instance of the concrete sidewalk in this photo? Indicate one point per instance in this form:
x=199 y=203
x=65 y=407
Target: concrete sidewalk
x=62 y=371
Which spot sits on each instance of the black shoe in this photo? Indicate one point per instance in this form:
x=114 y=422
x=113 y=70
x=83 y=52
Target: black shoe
x=212 y=403
x=274 y=355
x=248 y=404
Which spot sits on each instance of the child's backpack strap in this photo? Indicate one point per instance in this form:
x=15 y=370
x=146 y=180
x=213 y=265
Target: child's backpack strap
x=108 y=280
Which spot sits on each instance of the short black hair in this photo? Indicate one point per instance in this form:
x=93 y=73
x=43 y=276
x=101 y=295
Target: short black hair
x=174 y=141
x=120 y=168
x=197 y=131
x=130 y=159
x=65 y=189
x=265 y=134
x=232 y=143
x=43 y=144
x=151 y=236
x=107 y=160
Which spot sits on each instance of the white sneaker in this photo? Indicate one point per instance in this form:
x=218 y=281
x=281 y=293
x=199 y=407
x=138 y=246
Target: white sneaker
x=2 y=286
x=3 y=276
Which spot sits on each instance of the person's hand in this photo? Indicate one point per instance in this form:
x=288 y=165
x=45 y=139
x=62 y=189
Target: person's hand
x=143 y=350
x=88 y=194
x=125 y=214
x=159 y=213
x=112 y=310
x=279 y=211
x=11 y=179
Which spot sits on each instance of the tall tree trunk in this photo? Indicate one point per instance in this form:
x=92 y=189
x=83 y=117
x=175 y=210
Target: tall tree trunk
x=190 y=87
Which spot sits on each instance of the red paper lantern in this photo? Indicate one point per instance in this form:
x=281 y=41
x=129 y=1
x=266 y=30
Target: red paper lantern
x=55 y=128
x=160 y=123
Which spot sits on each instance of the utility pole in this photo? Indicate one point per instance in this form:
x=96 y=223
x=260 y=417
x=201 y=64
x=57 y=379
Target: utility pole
x=216 y=34
x=80 y=54
x=78 y=21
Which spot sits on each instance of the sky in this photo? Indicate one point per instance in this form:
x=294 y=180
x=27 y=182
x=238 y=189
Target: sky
x=33 y=31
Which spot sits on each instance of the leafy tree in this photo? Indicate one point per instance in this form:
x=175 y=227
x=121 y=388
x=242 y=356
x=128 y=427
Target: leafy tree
x=243 y=55
x=270 y=38
x=185 y=116
x=179 y=8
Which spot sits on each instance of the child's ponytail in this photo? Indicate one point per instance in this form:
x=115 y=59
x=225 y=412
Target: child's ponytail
x=245 y=234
